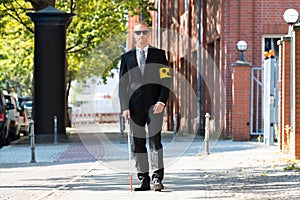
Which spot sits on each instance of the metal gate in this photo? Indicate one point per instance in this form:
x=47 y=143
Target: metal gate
x=256 y=102
x=264 y=100
x=270 y=100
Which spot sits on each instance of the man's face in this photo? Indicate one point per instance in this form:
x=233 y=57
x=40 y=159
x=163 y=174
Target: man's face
x=141 y=34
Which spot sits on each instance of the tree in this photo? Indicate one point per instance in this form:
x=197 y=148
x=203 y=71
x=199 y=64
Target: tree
x=16 y=55
x=95 y=22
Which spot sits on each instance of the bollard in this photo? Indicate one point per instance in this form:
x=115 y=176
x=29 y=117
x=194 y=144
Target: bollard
x=175 y=119
x=206 y=138
x=122 y=128
x=55 y=129
x=32 y=142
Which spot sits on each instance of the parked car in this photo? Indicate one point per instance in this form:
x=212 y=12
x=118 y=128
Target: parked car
x=14 y=117
x=4 y=121
x=24 y=122
x=28 y=109
x=25 y=114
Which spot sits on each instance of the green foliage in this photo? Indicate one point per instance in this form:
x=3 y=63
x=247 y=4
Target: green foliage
x=88 y=35
x=16 y=57
x=95 y=37
x=291 y=167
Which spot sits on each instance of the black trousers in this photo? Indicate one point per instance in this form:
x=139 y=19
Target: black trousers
x=138 y=123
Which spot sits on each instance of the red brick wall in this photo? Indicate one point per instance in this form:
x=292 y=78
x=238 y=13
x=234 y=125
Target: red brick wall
x=295 y=135
x=224 y=22
x=249 y=21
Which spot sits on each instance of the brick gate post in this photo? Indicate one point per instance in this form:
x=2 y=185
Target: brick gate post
x=284 y=92
x=241 y=93
x=295 y=134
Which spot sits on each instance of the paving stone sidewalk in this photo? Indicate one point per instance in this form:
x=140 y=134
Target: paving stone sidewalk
x=95 y=166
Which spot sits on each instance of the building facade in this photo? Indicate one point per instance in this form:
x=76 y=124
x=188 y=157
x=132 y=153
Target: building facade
x=179 y=25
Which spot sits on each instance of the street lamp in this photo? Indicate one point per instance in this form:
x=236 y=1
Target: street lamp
x=241 y=46
x=291 y=16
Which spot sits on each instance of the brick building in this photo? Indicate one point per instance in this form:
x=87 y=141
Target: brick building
x=289 y=133
x=222 y=24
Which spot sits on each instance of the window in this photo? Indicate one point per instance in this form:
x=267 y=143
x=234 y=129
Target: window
x=270 y=42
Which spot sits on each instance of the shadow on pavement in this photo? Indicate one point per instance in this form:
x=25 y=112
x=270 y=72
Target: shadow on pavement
x=215 y=184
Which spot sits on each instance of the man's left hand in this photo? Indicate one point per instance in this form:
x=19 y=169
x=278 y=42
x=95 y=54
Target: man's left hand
x=158 y=107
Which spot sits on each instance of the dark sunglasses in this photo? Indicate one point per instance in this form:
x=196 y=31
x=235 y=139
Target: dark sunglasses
x=139 y=32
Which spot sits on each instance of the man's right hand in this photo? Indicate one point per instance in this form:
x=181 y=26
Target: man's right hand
x=126 y=114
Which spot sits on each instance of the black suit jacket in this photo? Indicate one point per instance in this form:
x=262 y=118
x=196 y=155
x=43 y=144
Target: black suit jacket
x=138 y=92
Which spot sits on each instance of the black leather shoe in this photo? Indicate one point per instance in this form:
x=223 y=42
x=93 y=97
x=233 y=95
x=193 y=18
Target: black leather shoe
x=143 y=187
x=158 y=186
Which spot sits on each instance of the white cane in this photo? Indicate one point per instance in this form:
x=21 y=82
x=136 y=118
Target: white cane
x=129 y=156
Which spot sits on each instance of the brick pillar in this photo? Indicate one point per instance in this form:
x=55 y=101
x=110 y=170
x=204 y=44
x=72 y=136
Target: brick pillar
x=295 y=134
x=241 y=91
x=281 y=97
x=284 y=92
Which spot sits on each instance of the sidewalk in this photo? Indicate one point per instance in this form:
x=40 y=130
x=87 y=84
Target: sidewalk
x=95 y=166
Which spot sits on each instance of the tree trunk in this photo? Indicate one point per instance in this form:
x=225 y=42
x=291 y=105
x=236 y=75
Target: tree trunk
x=68 y=112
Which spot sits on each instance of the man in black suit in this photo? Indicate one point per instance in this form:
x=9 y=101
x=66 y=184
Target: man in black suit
x=144 y=85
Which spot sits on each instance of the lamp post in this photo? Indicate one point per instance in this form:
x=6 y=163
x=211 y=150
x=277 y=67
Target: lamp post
x=241 y=93
x=291 y=17
x=241 y=46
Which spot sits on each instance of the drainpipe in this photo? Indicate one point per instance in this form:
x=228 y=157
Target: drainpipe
x=158 y=23
x=199 y=67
